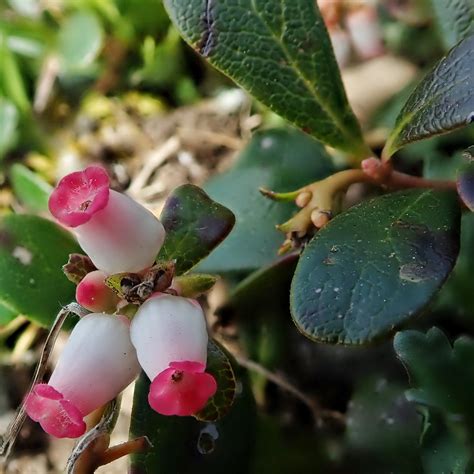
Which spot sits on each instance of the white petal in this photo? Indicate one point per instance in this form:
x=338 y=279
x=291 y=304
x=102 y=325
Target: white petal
x=122 y=237
x=166 y=329
x=97 y=363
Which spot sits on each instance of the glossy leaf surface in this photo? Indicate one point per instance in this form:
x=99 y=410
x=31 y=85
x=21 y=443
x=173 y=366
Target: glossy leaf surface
x=375 y=265
x=281 y=53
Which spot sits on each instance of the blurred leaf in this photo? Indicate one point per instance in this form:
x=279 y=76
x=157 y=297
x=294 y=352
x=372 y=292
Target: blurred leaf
x=375 y=266
x=441 y=374
x=12 y=84
x=194 y=224
x=79 y=41
x=443 y=449
x=8 y=125
x=218 y=365
x=443 y=101
x=30 y=188
x=279 y=159
x=188 y=446
x=383 y=430
x=454 y=18
x=6 y=314
x=281 y=53
x=465 y=185
x=146 y=17
x=32 y=251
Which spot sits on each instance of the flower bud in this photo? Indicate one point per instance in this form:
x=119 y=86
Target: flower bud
x=93 y=294
x=117 y=233
x=364 y=28
x=170 y=336
x=97 y=363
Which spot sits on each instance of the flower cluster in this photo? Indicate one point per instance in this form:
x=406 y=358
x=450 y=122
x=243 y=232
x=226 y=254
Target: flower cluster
x=167 y=337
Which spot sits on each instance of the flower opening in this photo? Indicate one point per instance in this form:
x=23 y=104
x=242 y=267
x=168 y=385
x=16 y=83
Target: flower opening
x=182 y=389
x=78 y=196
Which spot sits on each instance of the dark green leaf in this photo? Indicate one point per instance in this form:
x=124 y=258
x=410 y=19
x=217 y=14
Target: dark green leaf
x=32 y=251
x=194 y=224
x=383 y=430
x=375 y=266
x=187 y=446
x=443 y=101
x=30 y=188
x=454 y=18
x=440 y=374
x=279 y=159
x=8 y=125
x=465 y=185
x=6 y=314
x=218 y=365
x=443 y=448
x=281 y=53
x=79 y=40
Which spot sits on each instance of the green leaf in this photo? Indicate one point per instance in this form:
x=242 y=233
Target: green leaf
x=32 y=251
x=465 y=185
x=6 y=314
x=186 y=445
x=12 y=84
x=439 y=372
x=193 y=285
x=281 y=53
x=443 y=101
x=383 y=429
x=30 y=188
x=8 y=125
x=79 y=41
x=443 y=448
x=375 y=266
x=454 y=18
x=194 y=224
x=278 y=159
x=218 y=365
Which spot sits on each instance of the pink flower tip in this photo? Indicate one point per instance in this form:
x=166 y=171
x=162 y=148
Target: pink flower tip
x=182 y=389
x=78 y=196
x=56 y=415
x=93 y=294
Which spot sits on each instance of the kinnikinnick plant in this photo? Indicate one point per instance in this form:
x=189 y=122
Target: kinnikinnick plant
x=361 y=272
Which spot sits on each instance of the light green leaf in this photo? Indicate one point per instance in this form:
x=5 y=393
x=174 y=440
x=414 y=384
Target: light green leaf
x=30 y=188
x=281 y=53
x=79 y=40
x=8 y=125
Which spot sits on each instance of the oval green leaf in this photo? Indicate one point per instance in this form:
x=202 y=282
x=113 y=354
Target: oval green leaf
x=194 y=224
x=454 y=19
x=443 y=101
x=283 y=160
x=281 y=53
x=375 y=266
x=79 y=40
x=32 y=190
x=32 y=251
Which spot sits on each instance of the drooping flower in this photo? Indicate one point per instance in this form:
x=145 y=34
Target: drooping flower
x=170 y=336
x=117 y=233
x=93 y=294
x=97 y=363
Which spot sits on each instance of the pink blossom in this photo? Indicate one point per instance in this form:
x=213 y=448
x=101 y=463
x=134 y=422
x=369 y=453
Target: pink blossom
x=97 y=363
x=170 y=336
x=117 y=233
x=93 y=294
